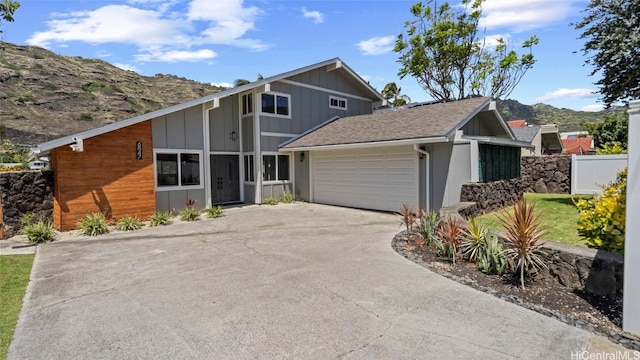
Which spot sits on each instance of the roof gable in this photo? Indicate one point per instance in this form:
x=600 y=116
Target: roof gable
x=527 y=133
x=440 y=120
x=577 y=145
x=330 y=65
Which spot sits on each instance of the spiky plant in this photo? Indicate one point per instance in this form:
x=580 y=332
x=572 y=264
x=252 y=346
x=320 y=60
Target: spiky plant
x=407 y=217
x=523 y=237
x=428 y=225
x=451 y=233
x=474 y=239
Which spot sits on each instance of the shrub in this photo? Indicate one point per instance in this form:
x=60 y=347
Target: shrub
x=286 y=197
x=270 y=201
x=160 y=218
x=491 y=257
x=602 y=219
x=523 y=237
x=86 y=116
x=26 y=97
x=28 y=219
x=214 y=212
x=428 y=225
x=39 y=232
x=474 y=239
x=93 y=224
x=128 y=223
x=407 y=217
x=450 y=233
x=190 y=212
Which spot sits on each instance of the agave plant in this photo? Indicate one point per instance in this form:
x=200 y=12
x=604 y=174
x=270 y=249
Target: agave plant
x=523 y=237
x=474 y=239
x=428 y=225
x=451 y=233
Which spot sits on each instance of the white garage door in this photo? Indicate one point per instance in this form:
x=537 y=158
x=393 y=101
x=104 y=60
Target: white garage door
x=378 y=178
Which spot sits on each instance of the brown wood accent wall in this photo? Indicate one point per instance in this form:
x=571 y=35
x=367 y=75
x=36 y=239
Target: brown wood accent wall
x=106 y=177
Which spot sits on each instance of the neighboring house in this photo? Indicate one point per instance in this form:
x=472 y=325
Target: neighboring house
x=419 y=156
x=578 y=146
x=222 y=148
x=544 y=139
x=573 y=134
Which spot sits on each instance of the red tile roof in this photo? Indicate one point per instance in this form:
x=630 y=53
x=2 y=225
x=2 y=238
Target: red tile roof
x=577 y=146
x=517 y=123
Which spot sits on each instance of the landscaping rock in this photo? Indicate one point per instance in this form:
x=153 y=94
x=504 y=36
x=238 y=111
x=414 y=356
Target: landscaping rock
x=25 y=192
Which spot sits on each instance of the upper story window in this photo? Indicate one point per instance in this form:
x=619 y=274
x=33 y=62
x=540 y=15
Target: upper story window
x=337 y=103
x=276 y=104
x=247 y=104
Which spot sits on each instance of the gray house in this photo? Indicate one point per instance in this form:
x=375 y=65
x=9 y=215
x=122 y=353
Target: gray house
x=417 y=156
x=222 y=148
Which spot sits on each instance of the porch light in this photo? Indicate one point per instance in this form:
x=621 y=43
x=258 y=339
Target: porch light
x=301 y=157
x=233 y=136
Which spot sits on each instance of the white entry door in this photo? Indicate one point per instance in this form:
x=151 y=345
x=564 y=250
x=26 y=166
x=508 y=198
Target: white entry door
x=375 y=178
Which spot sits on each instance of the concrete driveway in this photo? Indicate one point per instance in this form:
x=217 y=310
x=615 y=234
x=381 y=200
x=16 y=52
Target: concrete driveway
x=299 y=281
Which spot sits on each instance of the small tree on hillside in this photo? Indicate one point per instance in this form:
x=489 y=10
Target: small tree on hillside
x=443 y=49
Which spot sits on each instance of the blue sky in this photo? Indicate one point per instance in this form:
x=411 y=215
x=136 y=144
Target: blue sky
x=218 y=41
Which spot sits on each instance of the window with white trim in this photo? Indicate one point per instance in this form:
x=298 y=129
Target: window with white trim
x=275 y=104
x=247 y=104
x=275 y=167
x=177 y=169
x=337 y=103
x=249 y=172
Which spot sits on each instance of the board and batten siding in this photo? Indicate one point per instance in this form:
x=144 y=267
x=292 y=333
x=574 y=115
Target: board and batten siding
x=179 y=130
x=107 y=177
x=224 y=120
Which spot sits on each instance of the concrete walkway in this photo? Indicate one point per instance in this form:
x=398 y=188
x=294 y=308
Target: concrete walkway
x=298 y=281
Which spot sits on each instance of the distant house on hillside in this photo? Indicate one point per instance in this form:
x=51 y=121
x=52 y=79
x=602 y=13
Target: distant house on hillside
x=579 y=145
x=544 y=139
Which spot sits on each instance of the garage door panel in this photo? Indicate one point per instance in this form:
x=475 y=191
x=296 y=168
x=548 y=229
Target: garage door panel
x=381 y=178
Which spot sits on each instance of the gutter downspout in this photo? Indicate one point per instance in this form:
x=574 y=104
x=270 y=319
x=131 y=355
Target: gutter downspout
x=427 y=182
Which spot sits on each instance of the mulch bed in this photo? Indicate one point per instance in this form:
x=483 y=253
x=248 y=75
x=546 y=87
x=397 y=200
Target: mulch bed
x=601 y=315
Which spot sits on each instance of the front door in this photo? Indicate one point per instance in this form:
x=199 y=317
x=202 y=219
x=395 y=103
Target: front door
x=225 y=179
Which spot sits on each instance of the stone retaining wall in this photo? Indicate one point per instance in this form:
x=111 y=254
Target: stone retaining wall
x=548 y=173
x=25 y=192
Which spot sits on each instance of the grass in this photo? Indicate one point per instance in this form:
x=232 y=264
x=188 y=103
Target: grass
x=14 y=277
x=559 y=217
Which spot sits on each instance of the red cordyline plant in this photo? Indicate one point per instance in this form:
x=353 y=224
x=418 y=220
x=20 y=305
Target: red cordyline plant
x=451 y=233
x=523 y=237
x=190 y=203
x=408 y=217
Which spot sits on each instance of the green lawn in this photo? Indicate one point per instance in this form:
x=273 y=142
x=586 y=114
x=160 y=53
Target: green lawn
x=559 y=217
x=14 y=277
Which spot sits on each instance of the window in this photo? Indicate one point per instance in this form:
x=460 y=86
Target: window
x=249 y=171
x=178 y=169
x=337 y=103
x=275 y=167
x=247 y=104
x=275 y=104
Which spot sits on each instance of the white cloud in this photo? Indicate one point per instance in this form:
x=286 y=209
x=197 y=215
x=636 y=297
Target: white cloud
x=593 y=107
x=317 y=16
x=568 y=94
x=492 y=40
x=126 y=67
x=523 y=15
x=222 y=84
x=177 y=56
x=153 y=29
x=376 y=45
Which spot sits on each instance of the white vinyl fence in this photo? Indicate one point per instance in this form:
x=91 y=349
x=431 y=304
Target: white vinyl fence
x=589 y=172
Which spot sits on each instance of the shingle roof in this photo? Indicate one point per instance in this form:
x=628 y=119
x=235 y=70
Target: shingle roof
x=578 y=145
x=527 y=133
x=433 y=120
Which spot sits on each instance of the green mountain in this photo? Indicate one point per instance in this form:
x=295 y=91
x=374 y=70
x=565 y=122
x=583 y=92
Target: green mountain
x=538 y=114
x=44 y=96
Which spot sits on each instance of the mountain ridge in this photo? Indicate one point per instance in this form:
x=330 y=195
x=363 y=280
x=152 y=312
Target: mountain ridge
x=44 y=96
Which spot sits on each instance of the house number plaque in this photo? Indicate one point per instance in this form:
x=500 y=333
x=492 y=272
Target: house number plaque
x=139 y=150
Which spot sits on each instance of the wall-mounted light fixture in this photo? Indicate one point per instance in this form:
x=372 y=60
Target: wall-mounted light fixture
x=233 y=136
x=301 y=156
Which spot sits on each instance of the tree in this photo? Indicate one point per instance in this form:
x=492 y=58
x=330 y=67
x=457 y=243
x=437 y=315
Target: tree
x=442 y=49
x=611 y=29
x=240 y=82
x=7 y=8
x=614 y=128
x=392 y=93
